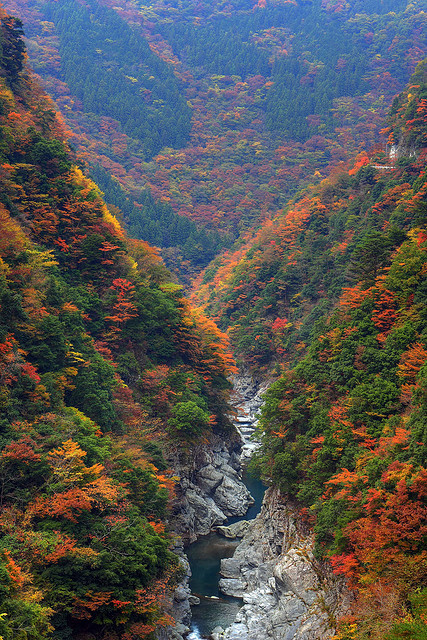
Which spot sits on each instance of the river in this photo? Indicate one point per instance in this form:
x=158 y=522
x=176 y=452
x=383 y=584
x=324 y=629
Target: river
x=205 y=557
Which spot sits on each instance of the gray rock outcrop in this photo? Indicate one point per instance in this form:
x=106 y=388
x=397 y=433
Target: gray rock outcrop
x=209 y=490
x=235 y=530
x=287 y=593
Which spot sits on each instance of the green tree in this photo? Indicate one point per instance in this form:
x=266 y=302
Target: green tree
x=189 y=419
x=12 y=48
x=369 y=258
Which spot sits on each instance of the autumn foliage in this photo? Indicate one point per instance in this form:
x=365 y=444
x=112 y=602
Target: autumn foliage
x=272 y=107
x=99 y=350
x=343 y=427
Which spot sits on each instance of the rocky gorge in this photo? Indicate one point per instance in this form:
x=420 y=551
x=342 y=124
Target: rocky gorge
x=286 y=594
x=209 y=490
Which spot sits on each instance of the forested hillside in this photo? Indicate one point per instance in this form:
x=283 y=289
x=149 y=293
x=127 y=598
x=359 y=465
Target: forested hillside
x=105 y=369
x=331 y=295
x=273 y=106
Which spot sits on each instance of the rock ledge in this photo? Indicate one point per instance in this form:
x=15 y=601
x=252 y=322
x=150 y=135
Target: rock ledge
x=287 y=593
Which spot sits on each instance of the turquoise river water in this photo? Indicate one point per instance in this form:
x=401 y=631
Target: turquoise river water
x=205 y=557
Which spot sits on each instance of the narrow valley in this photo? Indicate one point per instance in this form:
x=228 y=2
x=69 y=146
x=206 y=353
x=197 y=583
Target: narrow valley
x=213 y=327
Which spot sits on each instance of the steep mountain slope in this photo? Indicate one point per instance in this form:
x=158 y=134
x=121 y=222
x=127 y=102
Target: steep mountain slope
x=105 y=370
x=332 y=294
x=271 y=292
x=273 y=105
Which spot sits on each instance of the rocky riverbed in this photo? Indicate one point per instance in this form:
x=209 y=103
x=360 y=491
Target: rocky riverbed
x=210 y=490
x=247 y=398
x=286 y=593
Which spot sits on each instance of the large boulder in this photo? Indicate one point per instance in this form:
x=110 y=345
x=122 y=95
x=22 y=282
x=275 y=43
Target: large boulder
x=232 y=497
x=235 y=530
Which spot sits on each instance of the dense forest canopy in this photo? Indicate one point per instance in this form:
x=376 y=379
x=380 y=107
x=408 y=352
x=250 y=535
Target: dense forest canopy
x=105 y=371
x=134 y=86
x=273 y=106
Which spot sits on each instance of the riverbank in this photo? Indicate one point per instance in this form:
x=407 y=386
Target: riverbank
x=211 y=492
x=271 y=586
x=286 y=592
